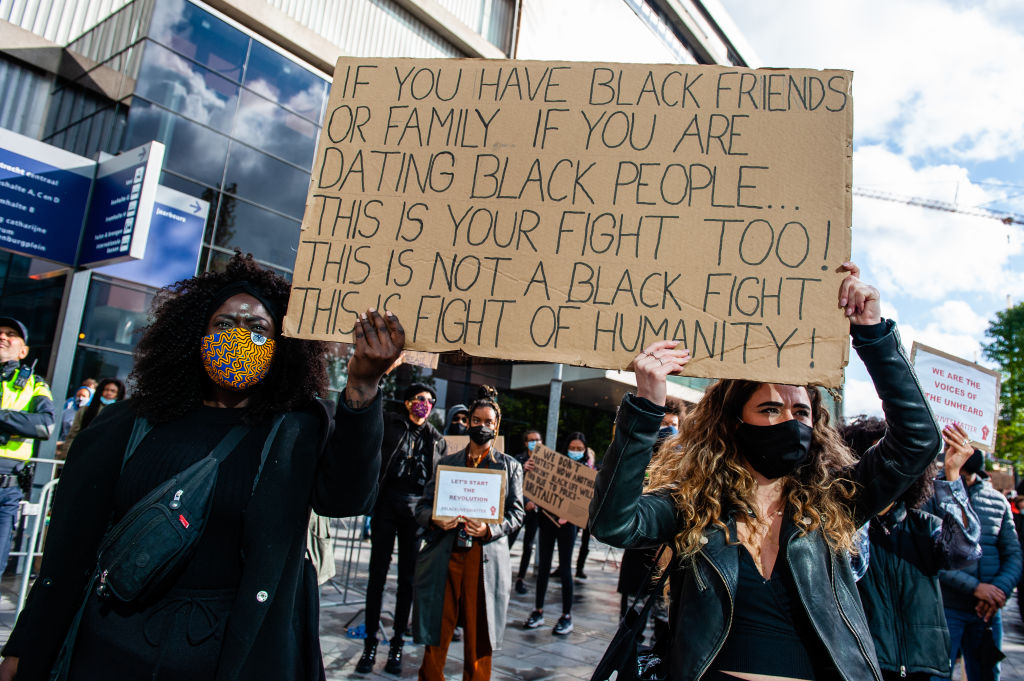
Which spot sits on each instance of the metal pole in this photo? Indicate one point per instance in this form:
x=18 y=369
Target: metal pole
x=554 y=402
x=62 y=360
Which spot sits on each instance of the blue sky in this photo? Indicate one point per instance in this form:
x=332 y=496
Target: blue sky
x=938 y=114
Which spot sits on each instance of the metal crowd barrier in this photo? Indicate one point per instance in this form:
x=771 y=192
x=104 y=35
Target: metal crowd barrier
x=32 y=519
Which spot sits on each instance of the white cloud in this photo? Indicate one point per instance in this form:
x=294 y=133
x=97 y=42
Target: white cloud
x=930 y=76
x=927 y=253
x=859 y=397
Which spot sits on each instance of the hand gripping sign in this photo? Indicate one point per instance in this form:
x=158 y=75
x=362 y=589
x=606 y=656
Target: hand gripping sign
x=575 y=212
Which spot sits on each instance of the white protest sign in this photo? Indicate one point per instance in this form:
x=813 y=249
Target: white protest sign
x=959 y=391
x=473 y=493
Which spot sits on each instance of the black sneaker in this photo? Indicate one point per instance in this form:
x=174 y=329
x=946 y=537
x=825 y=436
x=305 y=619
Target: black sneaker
x=520 y=587
x=457 y=634
x=535 y=619
x=564 y=625
x=365 y=664
x=580 y=574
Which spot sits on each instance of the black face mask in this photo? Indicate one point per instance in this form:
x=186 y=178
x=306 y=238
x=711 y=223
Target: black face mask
x=974 y=463
x=457 y=429
x=480 y=435
x=775 y=451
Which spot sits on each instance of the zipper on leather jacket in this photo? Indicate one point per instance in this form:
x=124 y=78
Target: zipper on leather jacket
x=728 y=624
x=846 y=621
x=701 y=584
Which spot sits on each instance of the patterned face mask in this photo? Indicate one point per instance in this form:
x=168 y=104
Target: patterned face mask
x=237 y=359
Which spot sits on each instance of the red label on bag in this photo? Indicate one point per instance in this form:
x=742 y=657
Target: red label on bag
x=183 y=521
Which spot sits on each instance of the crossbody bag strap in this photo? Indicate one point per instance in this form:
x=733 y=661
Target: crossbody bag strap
x=274 y=427
x=140 y=428
x=647 y=582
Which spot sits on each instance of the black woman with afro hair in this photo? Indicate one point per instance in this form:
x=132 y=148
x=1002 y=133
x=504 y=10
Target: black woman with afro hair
x=213 y=364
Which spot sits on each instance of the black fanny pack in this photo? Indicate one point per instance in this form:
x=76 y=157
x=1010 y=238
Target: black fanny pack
x=162 y=529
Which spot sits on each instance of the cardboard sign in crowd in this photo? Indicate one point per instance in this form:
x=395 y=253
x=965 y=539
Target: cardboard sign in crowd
x=559 y=485
x=576 y=212
x=960 y=392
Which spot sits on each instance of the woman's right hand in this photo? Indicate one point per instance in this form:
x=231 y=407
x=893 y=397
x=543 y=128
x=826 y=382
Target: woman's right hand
x=654 y=365
x=9 y=669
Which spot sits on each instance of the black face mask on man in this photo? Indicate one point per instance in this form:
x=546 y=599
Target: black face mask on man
x=481 y=435
x=777 y=450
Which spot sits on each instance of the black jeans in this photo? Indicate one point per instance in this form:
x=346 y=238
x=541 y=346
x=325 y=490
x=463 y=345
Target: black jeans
x=529 y=528
x=566 y=537
x=581 y=558
x=392 y=517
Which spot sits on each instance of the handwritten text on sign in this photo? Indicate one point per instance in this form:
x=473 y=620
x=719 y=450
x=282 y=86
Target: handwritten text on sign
x=959 y=391
x=576 y=212
x=474 y=493
x=560 y=485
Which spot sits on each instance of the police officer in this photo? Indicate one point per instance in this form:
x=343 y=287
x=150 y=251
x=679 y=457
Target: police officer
x=26 y=415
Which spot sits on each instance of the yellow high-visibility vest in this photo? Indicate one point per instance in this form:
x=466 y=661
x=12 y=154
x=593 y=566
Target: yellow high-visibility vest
x=19 y=447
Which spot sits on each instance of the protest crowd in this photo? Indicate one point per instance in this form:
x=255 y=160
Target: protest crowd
x=760 y=540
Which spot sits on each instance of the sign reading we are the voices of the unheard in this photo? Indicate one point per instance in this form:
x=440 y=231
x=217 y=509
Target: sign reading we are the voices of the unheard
x=959 y=391
x=576 y=212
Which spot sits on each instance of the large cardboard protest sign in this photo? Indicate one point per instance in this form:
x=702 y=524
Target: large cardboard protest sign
x=474 y=493
x=959 y=391
x=575 y=212
x=560 y=485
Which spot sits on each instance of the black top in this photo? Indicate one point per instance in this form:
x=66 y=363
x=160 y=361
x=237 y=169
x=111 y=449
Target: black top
x=172 y=447
x=408 y=453
x=771 y=633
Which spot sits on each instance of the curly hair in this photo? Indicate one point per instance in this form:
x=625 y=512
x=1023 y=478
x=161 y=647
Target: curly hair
x=169 y=380
x=703 y=472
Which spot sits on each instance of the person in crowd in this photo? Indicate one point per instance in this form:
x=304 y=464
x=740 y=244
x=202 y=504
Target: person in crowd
x=27 y=415
x=529 y=444
x=531 y=519
x=1018 y=522
x=243 y=604
x=581 y=558
x=557 y=530
x=108 y=391
x=409 y=452
x=900 y=553
x=88 y=383
x=78 y=401
x=761 y=499
x=974 y=595
x=463 y=573
x=458 y=420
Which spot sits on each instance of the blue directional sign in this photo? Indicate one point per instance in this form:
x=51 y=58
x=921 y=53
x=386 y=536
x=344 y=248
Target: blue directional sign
x=43 y=195
x=175 y=238
x=123 y=194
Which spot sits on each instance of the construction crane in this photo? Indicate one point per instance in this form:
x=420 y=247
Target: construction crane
x=933 y=204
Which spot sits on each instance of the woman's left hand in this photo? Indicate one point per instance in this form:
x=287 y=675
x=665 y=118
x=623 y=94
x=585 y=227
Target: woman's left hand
x=477 y=529
x=859 y=301
x=958 y=450
x=379 y=343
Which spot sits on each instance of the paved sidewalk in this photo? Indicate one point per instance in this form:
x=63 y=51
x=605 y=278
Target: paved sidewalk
x=526 y=655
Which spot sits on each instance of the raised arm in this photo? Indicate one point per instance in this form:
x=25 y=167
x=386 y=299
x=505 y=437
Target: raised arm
x=620 y=513
x=911 y=440
x=346 y=481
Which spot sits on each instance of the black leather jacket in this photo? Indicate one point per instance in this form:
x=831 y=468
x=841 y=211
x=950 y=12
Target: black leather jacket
x=621 y=515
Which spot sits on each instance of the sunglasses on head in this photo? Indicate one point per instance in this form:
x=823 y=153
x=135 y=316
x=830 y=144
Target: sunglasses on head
x=423 y=398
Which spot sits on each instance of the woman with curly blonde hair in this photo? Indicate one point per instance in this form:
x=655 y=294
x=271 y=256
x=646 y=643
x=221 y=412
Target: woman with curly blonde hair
x=760 y=498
